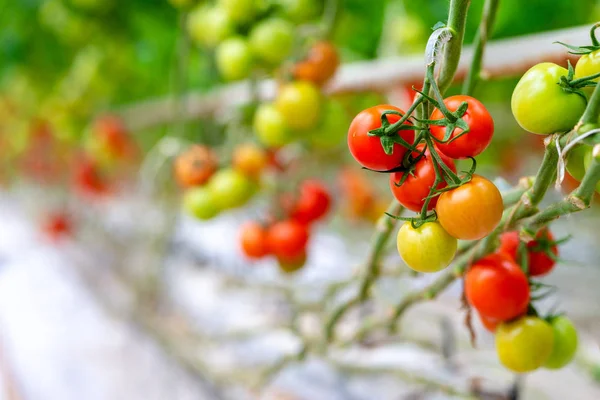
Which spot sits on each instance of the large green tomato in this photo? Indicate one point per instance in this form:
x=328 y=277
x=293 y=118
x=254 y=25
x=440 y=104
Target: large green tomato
x=429 y=248
x=333 y=129
x=525 y=344
x=565 y=343
x=270 y=127
x=588 y=64
x=300 y=105
x=272 y=39
x=230 y=189
x=239 y=11
x=234 y=59
x=541 y=106
x=209 y=26
x=199 y=202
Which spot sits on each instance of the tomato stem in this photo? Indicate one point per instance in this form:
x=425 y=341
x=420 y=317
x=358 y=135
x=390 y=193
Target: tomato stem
x=595 y=41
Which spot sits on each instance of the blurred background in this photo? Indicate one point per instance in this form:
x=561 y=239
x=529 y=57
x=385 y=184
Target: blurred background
x=119 y=281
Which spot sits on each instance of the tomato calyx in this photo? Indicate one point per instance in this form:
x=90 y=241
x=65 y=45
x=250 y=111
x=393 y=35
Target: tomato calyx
x=571 y=85
x=388 y=133
x=416 y=222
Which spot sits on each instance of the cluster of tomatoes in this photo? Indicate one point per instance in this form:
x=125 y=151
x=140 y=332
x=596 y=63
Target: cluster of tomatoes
x=498 y=287
x=423 y=175
x=210 y=189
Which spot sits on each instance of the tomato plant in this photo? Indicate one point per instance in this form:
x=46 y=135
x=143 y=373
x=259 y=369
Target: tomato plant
x=428 y=248
x=230 y=189
x=541 y=253
x=524 y=345
x=287 y=240
x=195 y=166
x=565 y=343
x=300 y=105
x=253 y=240
x=313 y=203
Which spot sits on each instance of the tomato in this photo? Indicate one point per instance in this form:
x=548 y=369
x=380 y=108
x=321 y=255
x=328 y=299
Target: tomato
x=490 y=324
x=320 y=64
x=525 y=344
x=270 y=126
x=250 y=160
x=292 y=265
x=565 y=343
x=239 y=11
x=200 y=203
x=415 y=188
x=497 y=287
x=300 y=10
x=331 y=131
x=481 y=128
x=471 y=211
x=88 y=179
x=313 y=203
x=287 y=240
x=209 y=26
x=253 y=240
x=588 y=64
x=234 y=59
x=300 y=105
x=195 y=166
x=427 y=248
x=110 y=140
x=367 y=150
x=230 y=189
x=539 y=262
x=541 y=106
x=57 y=226
x=576 y=160
x=272 y=40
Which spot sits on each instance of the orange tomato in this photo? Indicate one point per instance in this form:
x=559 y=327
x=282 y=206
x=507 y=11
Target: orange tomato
x=320 y=64
x=250 y=160
x=195 y=166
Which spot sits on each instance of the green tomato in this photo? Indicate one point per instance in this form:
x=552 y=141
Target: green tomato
x=200 y=203
x=429 y=248
x=565 y=343
x=588 y=64
x=230 y=189
x=209 y=26
x=300 y=105
x=575 y=161
x=270 y=126
x=234 y=59
x=541 y=106
x=272 y=39
x=300 y=10
x=239 y=11
x=333 y=129
x=525 y=344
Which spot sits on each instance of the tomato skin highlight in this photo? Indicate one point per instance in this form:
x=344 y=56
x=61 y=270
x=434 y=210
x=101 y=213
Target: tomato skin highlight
x=565 y=343
x=313 y=204
x=539 y=262
x=428 y=248
x=541 y=106
x=525 y=344
x=415 y=188
x=253 y=240
x=497 y=287
x=471 y=211
x=471 y=143
x=367 y=150
x=287 y=240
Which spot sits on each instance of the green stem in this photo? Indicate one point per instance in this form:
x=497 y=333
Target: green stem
x=592 y=110
x=545 y=176
x=331 y=15
x=451 y=55
x=593 y=34
x=485 y=28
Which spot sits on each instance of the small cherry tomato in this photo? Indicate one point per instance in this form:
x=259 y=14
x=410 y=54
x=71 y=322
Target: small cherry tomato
x=239 y=11
x=234 y=59
x=230 y=189
x=253 y=240
x=588 y=64
x=539 y=260
x=292 y=265
x=416 y=187
x=300 y=105
x=565 y=343
x=427 y=248
x=490 y=324
x=313 y=203
x=195 y=166
x=471 y=211
x=525 y=344
x=497 y=287
x=110 y=140
x=200 y=203
x=272 y=40
x=287 y=240
x=249 y=159
x=481 y=128
x=320 y=64
x=57 y=226
x=367 y=150
x=88 y=179
x=541 y=106
x=270 y=126
x=208 y=26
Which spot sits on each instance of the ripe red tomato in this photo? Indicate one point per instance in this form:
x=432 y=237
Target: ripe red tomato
x=313 y=203
x=540 y=263
x=287 y=240
x=112 y=137
x=88 y=180
x=253 y=240
x=57 y=226
x=413 y=191
x=489 y=323
x=473 y=142
x=367 y=150
x=497 y=287
x=195 y=166
x=320 y=64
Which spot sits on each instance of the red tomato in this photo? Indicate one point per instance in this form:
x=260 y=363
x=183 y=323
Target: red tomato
x=253 y=240
x=287 y=240
x=367 y=150
x=87 y=178
x=113 y=136
x=497 y=287
x=313 y=203
x=320 y=64
x=57 y=226
x=473 y=142
x=489 y=323
x=540 y=263
x=413 y=191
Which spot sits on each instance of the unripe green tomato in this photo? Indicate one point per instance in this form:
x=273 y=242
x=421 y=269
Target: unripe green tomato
x=234 y=59
x=239 y=11
x=525 y=344
x=429 y=248
x=199 y=202
x=300 y=10
x=588 y=64
x=565 y=343
x=230 y=189
x=209 y=26
x=271 y=40
x=575 y=161
x=332 y=131
x=300 y=105
x=270 y=127
x=541 y=106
